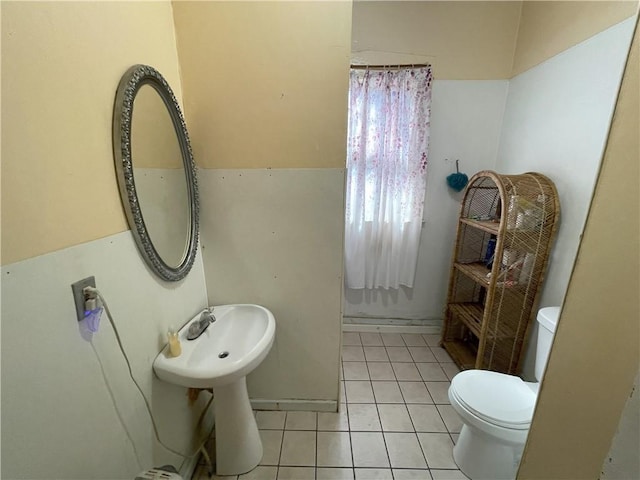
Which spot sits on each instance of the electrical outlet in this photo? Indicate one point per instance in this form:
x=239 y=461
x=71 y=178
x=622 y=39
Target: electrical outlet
x=78 y=296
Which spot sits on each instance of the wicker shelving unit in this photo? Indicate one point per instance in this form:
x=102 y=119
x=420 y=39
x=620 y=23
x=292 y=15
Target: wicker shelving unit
x=493 y=298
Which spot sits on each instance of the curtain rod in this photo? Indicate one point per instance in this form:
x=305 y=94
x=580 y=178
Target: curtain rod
x=389 y=67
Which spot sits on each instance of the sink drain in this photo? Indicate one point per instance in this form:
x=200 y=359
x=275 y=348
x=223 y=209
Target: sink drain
x=223 y=355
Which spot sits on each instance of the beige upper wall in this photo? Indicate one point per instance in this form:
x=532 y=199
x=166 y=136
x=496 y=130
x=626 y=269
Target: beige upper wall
x=595 y=351
x=483 y=40
x=61 y=64
x=265 y=82
x=462 y=40
x=548 y=27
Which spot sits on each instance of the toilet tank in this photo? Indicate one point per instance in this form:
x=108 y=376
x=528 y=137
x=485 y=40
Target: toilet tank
x=547 y=323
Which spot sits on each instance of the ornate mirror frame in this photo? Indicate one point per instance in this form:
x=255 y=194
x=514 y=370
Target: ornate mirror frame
x=133 y=79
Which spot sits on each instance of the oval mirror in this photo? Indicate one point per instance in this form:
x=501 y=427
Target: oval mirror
x=156 y=172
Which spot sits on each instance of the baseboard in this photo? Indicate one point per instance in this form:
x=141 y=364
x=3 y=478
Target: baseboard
x=426 y=327
x=295 y=405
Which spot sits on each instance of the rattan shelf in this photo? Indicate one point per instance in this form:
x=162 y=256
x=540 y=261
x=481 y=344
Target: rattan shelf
x=491 y=227
x=492 y=300
x=470 y=314
x=463 y=355
x=476 y=271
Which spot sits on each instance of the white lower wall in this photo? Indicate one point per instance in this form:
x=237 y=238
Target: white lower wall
x=556 y=122
x=466 y=117
x=275 y=237
x=59 y=419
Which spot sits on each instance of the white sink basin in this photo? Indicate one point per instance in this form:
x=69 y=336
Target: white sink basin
x=229 y=348
x=220 y=358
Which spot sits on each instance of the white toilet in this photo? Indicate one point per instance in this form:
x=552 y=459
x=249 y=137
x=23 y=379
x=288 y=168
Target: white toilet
x=496 y=411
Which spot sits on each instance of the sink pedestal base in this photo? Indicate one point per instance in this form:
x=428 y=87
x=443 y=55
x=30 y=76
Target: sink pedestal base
x=238 y=444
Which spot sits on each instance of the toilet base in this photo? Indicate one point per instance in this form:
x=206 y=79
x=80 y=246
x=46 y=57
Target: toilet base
x=483 y=457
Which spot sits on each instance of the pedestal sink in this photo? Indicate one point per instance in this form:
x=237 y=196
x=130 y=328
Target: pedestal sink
x=220 y=358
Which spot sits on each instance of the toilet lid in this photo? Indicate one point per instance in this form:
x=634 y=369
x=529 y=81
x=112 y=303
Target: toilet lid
x=503 y=400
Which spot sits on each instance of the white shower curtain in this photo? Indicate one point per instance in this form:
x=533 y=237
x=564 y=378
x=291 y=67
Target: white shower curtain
x=388 y=136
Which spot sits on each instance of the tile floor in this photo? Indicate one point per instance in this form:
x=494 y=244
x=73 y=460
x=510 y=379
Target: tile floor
x=395 y=421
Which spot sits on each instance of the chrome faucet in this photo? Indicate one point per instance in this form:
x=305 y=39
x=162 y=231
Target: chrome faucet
x=199 y=326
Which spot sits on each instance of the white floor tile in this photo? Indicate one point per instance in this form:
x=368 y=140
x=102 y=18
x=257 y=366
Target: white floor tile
x=395 y=418
x=415 y=392
x=369 y=450
x=374 y=474
x=301 y=421
x=404 y=450
x=334 y=449
x=359 y=391
x=448 y=475
x=329 y=421
x=411 y=474
x=271 y=443
x=431 y=372
x=439 y=391
x=351 y=338
x=352 y=353
x=392 y=340
x=381 y=371
x=334 y=474
x=455 y=437
x=422 y=354
x=363 y=417
x=387 y=392
x=406 y=372
x=450 y=370
x=438 y=450
x=355 y=371
x=399 y=354
x=372 y=339
x=441 y=354
x=451 y=418
x=296 y=473
x=426 y=418
x=433 y=340
x=413 y=339
x=298 y=449
x=394 y=385
x=270 y=420
x=376 y=354
x=260 y=473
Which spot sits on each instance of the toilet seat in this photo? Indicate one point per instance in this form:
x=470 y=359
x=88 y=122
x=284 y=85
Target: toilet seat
x=498 y=399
